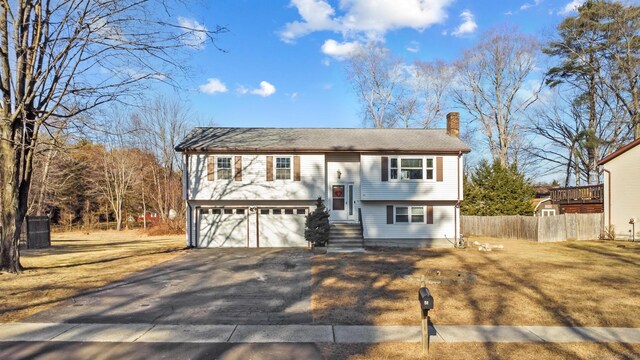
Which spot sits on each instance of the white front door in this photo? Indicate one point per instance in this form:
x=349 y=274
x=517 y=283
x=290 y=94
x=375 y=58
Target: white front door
x=342 y=202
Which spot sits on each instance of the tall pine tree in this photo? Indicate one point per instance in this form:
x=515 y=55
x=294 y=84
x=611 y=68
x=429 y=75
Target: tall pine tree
x=493 y=189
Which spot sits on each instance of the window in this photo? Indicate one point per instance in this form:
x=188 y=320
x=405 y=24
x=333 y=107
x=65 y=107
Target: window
x=417 y=214
x=411 y=168
x=409 y=214
x=429 y=169
x=264 y=211
x=288 y=211
x=276 y=211
x=283 y=168
x=393 y=169
x=224 y=171
x=215 y=211
x=402 y=214
x=551 y=212
x=228 y=211
x=239 y=211
x=301 y=211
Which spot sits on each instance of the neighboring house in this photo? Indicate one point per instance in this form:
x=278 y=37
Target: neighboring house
x=622 y=191
x=253 y=187
x=578 y=199
x=544 y=207
x=542 y=204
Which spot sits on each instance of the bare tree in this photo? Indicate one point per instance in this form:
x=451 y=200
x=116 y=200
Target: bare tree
x=433 y=81
x=376 y=76
x=491 y=87
x=62 y=58
x=569 y=138
x=162 y=125
x=117 y=168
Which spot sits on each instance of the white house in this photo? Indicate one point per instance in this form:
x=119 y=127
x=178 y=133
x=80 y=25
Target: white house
x=253 y=187
x=622 y=191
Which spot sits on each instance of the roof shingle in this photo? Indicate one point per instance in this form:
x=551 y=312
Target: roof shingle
x=319 y=139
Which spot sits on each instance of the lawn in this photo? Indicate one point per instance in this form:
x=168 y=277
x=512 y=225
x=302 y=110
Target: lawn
x=78 y=262
x=592 y=283
x=464 y=351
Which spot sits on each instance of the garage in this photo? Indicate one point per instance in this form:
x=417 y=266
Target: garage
x=282 y=227
x=222 y=227
x=252 y=227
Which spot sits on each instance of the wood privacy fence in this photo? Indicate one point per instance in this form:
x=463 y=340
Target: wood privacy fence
x=542 y=229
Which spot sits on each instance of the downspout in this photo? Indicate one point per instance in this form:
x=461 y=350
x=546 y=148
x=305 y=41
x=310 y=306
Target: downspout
x=456 y=209
x=189 y=210
x=608 y=199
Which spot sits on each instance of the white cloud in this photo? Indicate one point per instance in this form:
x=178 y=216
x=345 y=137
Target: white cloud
x=326 y=62
x=194 y=34
x=213 y=86
x=526 y=6
x=413 y=47
x=508 y=13
x=571 y=7
x=265 y=89
x=292 y=96
x=340 y=51
x=468 y=25
x=364 y=17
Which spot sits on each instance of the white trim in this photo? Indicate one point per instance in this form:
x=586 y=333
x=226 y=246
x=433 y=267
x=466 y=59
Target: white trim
x=291 y=165
x=409 y=207
x=550 y=212
x=424 y=168
x=231 y=165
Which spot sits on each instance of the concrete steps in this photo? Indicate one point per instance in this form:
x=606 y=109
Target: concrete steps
x=345 y=236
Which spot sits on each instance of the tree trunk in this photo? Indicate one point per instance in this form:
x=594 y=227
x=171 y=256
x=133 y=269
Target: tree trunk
x=11 y=219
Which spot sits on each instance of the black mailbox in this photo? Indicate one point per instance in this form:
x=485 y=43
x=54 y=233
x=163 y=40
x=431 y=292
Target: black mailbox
x=426 y=300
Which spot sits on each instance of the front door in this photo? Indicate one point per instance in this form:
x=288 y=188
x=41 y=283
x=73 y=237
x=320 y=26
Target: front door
x=342 y=202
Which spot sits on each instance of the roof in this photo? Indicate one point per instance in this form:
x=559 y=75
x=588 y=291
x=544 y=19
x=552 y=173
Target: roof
x=320 y=139
x=619 y=152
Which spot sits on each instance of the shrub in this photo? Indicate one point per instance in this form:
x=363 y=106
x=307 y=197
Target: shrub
x=317 y=225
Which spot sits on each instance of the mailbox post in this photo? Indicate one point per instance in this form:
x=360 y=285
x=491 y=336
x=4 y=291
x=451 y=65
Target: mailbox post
x=426 y=304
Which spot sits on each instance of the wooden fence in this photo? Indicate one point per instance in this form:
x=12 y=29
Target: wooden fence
x=542 y=229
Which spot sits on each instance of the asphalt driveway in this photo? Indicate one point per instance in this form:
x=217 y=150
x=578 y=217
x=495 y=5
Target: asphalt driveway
x=203 y=286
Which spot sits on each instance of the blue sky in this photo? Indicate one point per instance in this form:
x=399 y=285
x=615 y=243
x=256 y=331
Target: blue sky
x=284 y=60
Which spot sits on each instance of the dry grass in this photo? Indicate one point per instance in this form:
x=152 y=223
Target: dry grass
x=483 y=351
x=77 y=262
x=572 y=283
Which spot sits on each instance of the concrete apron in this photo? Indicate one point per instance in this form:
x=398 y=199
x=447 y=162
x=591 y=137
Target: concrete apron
x=159 y=333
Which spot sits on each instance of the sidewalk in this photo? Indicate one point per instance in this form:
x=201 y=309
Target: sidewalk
x=153 y=333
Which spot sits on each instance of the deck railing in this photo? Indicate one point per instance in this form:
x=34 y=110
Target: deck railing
x=578 y=194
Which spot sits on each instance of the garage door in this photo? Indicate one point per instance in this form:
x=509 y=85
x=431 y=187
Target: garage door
x=222 y=227
x=282 y=227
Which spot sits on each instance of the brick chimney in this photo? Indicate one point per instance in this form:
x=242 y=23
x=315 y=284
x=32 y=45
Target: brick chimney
x=453 y=124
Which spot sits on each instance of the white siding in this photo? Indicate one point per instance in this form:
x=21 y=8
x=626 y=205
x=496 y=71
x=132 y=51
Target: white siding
x=625 y=192
x=374 y=218
x=254 y=185
x=373 y=188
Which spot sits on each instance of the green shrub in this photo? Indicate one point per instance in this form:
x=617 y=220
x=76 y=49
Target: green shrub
x=317 y=225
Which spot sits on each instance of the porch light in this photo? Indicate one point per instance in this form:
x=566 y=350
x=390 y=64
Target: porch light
x=339 y=174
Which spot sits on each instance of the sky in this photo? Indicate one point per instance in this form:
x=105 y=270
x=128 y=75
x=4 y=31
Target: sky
x=283 y=60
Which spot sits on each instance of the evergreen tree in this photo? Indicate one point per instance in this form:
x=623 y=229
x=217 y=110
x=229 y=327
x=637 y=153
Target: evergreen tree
x=317 y=225
x=493 y=189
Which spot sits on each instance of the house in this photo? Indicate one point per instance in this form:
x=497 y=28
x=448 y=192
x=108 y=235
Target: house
x=622 y=191
x=544 y=207
x=253 y=187
x=542 y=204
x=578 y=199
